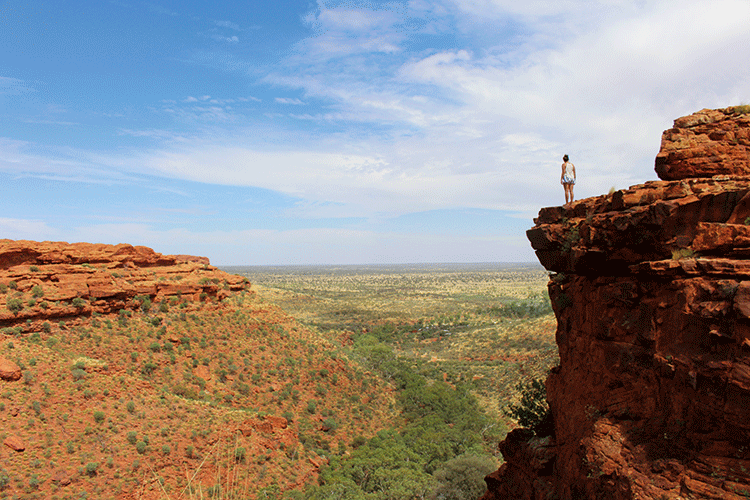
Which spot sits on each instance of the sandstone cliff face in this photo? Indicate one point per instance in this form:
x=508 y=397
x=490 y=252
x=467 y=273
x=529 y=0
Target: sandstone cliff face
x=651 y=290
x=46 y=281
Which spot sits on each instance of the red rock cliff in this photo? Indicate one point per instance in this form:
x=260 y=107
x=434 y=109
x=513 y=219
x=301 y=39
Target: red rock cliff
x=651 y=399
x=60 y=281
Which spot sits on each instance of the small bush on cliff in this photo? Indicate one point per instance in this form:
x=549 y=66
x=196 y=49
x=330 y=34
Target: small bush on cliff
x=14 y=305
x=684 y=253
x=533 y=411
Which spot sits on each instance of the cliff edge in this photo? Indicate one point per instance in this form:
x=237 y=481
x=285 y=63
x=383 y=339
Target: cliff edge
x=651 y=290
x=56 y=281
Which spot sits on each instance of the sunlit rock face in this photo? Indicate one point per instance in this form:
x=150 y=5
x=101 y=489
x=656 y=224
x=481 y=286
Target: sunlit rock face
x=651 y=290
x=46 y=281
x=707 y=143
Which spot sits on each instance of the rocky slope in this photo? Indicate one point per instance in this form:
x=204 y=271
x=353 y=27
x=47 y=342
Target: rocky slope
x=651 y=289
x=129 y=374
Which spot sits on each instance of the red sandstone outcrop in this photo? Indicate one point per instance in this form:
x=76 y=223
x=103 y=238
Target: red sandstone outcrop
x=651 y=399
x=15 y=443
x=9 y=370
x=43 y=281
x=707 y=143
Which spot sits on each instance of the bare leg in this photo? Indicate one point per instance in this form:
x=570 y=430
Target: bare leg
x=566 y=186
x=571 y=192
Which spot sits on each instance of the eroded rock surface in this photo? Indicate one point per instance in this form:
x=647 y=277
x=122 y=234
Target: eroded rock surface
x=651 y=289
x=707 y=143
x=9 y=370
x=53 y=281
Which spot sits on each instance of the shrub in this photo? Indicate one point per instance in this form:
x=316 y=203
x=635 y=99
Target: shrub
x=46 y=327
x=130 y=407
x=79 y=303
x=14 y=305
x=37 y=291
x=146 y=305
x=330 y=425
x=99 y=417
x=91 y=468
x=148 y=368
x=165 y=449
x=132 y=437
x=140 y=447
x=533 y=411
x=239 y=454
x=462 y=478
x=312 y=405
x=684 y=253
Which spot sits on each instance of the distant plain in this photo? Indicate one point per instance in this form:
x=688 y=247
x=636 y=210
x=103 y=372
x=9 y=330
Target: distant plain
x=487 y=324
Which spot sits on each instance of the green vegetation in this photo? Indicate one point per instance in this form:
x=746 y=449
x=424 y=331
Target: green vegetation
x=14 y=304
x=453 y=343
x=533 y=411
x=392 y=381
x=684 y=253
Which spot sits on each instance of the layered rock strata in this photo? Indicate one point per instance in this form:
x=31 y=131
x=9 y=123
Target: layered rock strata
x=45 y=281
x=651 y=289
x=707 y=143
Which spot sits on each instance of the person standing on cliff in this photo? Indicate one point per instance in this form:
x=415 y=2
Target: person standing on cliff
x=568 y=179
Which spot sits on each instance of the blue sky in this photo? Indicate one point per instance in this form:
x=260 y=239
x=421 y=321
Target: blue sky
x=349 y=132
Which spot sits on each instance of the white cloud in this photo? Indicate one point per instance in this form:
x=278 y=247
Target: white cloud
x=13 y=86
x=309 y=246
x=457 y=122
x=22 y=229
x=289 y=100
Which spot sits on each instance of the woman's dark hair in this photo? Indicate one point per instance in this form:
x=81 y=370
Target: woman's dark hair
x=565 y=158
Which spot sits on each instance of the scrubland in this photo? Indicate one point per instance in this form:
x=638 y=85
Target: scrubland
x=315 y=383
x=471 y=333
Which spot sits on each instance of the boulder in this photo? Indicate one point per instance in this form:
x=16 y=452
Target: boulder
x=9 y=370
x=15 y=443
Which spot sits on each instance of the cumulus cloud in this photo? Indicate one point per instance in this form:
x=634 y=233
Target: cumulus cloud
x=460 y=103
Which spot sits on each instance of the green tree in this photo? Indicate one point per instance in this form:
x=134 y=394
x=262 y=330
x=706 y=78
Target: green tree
x=462 y=478
x=533 y=410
